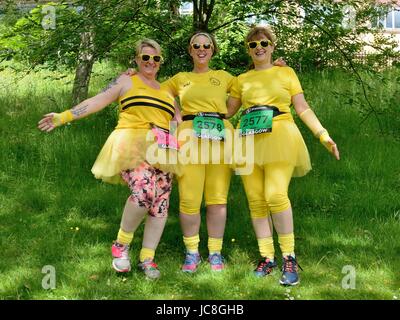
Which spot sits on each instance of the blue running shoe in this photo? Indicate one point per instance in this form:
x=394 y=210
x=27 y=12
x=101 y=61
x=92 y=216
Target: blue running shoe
x=290 y=276
x=216 y=262
x=265 y=267
x=192 y=260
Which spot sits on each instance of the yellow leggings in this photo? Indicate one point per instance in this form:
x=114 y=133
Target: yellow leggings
x=267 y=189
x=213 y=179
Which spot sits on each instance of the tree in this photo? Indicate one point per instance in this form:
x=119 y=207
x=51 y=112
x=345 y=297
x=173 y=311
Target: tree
x=85 y=31
x=311 y=34
x=202 y=12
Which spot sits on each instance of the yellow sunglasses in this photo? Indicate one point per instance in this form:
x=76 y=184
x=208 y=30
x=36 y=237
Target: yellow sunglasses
x=263 y=43
x=147 y=57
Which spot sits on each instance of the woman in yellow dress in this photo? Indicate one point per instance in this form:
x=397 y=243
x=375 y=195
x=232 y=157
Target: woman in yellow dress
x=145 y=110
x=266 y=94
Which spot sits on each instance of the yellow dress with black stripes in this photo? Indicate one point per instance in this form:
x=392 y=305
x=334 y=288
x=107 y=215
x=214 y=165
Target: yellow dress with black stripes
x=140 y=108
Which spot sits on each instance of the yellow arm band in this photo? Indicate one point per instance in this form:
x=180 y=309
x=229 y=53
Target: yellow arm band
x=62 y=118
x=310 y=119
x=324 y=138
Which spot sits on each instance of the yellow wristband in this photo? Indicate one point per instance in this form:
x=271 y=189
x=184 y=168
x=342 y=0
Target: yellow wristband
x=324 y=138
x=62 y=118
x=322 y=134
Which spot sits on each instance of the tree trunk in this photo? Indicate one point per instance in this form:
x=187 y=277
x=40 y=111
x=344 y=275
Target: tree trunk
x=202 y=11
x=84 y=68
x=174 y=10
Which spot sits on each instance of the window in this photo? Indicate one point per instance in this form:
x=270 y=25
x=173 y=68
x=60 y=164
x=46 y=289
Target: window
x=186 y=8
x=391 y=21
x=396 y=15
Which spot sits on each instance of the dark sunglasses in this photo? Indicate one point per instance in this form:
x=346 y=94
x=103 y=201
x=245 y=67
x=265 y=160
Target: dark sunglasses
x=147 y=57
x=263 y=43
x=205 y=46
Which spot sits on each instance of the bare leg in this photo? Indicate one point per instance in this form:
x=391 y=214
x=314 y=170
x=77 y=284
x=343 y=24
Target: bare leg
x=283 y=221
x=262 y=227
x=153 y=230
x=216 y=220
x=132 y=216
x=190 y=224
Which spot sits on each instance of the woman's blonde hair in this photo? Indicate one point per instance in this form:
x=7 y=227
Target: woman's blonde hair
x=147 y=43
x=207 y=35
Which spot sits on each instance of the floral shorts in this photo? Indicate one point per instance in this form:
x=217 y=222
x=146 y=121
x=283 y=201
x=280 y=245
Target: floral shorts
x=150 y=188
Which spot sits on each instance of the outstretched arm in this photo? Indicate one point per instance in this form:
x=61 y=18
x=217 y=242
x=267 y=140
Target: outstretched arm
x=233 y=105
x=310 y=119
x=86 y=107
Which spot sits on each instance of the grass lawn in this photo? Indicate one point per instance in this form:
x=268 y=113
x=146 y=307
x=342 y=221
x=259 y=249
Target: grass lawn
x=53 y=212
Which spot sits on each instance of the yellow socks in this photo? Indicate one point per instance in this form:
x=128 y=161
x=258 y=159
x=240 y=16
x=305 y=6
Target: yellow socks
x=192 y=243
x=146 y=254
x=266 y=247
x=286 y=242
x=124 y=238
x=214 y=245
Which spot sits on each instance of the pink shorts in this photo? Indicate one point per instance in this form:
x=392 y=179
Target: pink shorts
x=150 y=188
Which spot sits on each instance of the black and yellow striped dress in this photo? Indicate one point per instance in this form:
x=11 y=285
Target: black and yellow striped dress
x=140 y=108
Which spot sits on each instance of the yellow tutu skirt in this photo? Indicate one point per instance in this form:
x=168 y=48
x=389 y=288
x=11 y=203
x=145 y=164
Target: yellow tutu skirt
x=127 y=149
x=195 y=150
x=284 y=144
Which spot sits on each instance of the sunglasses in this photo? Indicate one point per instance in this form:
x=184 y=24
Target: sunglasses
x=205 y=46
x=147 y=57
x=263 y=43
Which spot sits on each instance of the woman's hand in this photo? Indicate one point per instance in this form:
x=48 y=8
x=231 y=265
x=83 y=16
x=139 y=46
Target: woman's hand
x=49 y=122
x=130 y=72
x=329 y=144
x=233 y=106
x=280 y=62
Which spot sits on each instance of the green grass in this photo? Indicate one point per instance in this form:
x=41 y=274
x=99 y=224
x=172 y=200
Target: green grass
x=54 y=212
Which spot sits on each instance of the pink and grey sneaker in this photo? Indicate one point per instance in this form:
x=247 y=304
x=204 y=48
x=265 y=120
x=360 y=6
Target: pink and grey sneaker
x=192 y=260
x=216 y=261
x=150 y=269
x=120 y=254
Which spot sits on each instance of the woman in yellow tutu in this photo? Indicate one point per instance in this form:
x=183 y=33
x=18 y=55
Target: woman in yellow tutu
x=145 y=111
x=266 y=93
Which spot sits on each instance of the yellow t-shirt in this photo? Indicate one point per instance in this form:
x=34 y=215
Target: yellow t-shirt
x=273 y=87
x=143 y=105
x=201 y=92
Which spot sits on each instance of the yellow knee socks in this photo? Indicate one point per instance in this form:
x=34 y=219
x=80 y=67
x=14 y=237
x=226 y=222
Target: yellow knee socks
x=146 y=254
x=286 y=242
x=124 y=238
x=266 y=247
x=192 y=243
x=214 y=245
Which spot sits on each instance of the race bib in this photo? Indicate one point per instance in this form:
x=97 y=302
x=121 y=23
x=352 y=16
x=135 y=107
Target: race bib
x=209 y=127
x=164 y=139
x=256 y=121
